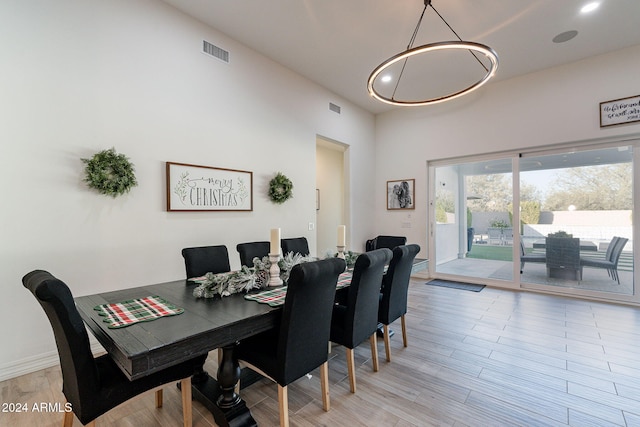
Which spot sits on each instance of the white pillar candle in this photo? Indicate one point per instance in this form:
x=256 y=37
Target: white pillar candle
x=275 y=241
x=342 y=235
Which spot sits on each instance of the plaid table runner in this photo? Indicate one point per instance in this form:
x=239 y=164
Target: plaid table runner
x=126 y=313
x=275 y=297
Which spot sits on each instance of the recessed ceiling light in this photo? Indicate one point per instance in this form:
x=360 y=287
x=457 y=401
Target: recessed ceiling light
x=590 y=7
x=565 y=37
x=385 y=79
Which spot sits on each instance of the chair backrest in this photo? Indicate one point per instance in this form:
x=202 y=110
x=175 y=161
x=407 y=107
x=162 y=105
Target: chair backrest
x=395 y=283
x=296 y=245
x=306 y=317
x=206 y=259
x=80 y=376
x=611 y=247
x=617 y=251
x=563 y=252
x=389 y=242
x=361 y=317
x=250 y=250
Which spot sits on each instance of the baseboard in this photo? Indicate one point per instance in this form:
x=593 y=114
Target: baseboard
x=28 y=365
x=41 y=361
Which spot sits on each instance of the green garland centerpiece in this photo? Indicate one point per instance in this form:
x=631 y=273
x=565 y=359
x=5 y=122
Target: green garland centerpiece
x=280 y=188
x=349 y=257
x=110 y=173
x=246 y=279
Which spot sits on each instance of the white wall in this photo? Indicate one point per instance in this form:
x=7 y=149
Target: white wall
x=554 y=106
x=79 y=76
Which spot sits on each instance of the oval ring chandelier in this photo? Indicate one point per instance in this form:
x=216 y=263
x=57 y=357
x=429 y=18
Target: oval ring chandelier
x=446 y=45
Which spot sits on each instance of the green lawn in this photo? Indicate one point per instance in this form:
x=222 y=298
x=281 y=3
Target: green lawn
x=499 y=253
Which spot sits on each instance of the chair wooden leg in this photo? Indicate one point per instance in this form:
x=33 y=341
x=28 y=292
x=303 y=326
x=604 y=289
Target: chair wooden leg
x=404 y=331
x=67 y=421
x=159 y=398
x=387 y=342
x=374 y=351
x=283 y=403
x=187 y=410
x=324 y=384
x=351 y=367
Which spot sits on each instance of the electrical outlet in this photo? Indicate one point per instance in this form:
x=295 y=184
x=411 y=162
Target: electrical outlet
x=312 y=226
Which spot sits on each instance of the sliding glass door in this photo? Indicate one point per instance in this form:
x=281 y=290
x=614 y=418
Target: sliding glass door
x=559 y=221
x=473 y=224
x=580 y=221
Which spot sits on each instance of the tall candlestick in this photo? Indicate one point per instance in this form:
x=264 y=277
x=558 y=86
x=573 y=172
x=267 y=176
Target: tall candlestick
x=275 y=241
x=342 y=235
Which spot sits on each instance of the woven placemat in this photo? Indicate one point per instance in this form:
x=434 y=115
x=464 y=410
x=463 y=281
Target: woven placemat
x=276 y=296
x=119 y=315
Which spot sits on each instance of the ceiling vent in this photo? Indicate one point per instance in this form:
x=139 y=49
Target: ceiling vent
x=335 y=108
x=215 y=51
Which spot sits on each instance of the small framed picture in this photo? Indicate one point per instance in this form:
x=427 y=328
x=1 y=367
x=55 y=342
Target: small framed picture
x=401 y=194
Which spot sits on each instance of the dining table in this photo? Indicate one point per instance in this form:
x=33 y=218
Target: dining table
x=205 y=324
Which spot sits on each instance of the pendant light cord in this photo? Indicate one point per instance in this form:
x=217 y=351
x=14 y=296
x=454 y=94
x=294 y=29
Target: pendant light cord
x=410 y=45
x=413 y=39
x=453 y=31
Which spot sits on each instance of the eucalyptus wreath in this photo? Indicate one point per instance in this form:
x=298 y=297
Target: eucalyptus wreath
x=110 y=173
x=280 y=188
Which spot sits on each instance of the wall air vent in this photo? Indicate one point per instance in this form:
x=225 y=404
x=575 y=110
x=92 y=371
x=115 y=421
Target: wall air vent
x=335 y=108
x=215 y=51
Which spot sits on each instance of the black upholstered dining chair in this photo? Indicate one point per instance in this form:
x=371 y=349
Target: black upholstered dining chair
x=201 y=260
x=389 y=242
x=357 y=319
x=94 y=386
x=300 y=343
x=393 y=293
x=296 y=245
x=250 y=250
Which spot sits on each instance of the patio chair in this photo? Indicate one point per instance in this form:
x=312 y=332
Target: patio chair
x=507 y=236
x=525 y=257
x=494 y=234
x=612 y=256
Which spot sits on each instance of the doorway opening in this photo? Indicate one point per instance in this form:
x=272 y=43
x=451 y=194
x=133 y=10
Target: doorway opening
x=331 y=209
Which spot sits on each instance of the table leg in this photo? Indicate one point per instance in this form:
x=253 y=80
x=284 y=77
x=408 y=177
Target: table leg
x=228 y=377
x=228 y=409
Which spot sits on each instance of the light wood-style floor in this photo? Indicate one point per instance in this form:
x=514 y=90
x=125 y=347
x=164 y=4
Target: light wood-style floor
x=491 y=358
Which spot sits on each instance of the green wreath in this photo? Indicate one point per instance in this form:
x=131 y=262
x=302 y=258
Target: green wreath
x=280 y=188
x=110 y=173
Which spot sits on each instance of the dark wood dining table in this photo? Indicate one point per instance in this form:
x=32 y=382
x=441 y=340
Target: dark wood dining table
x=205 y=324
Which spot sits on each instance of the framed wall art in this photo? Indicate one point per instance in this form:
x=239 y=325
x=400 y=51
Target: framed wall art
x=620 y=111
x=206 y=188
x=401 y=194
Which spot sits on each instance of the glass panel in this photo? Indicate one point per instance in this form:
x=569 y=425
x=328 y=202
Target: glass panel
x=473 y=211
x=576 y=220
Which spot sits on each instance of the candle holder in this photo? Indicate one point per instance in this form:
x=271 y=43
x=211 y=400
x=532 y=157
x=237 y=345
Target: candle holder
x=341 y=252
x=274 y=271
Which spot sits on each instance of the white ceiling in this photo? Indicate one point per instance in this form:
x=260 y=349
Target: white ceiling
x=337 y=43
